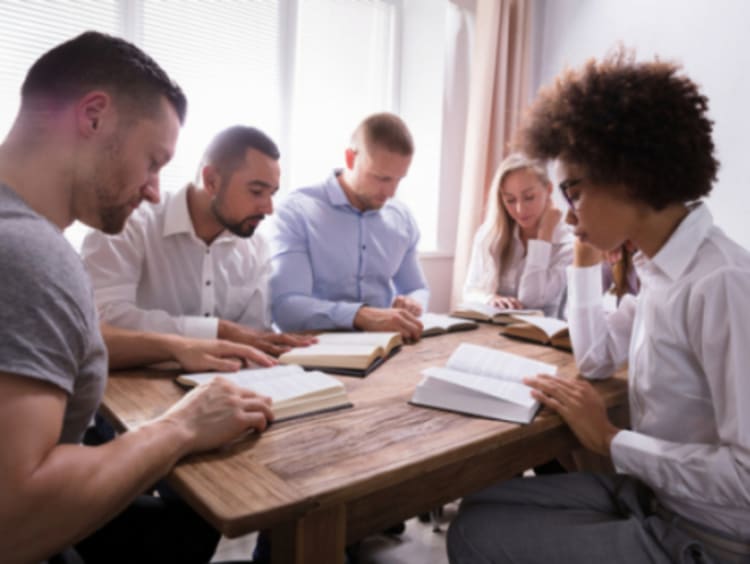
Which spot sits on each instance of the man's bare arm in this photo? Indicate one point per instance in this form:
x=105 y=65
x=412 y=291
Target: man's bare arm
x=128 y=349
x=53 y=495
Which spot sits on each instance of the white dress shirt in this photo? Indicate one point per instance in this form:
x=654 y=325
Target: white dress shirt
x=536 y=278
x=158 y=276
x=686 y=337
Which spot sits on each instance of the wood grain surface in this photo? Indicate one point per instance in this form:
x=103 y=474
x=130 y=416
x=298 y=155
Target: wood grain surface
x=335 y=477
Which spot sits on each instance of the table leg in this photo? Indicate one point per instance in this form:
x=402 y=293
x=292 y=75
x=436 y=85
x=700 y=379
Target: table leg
x=317 y=537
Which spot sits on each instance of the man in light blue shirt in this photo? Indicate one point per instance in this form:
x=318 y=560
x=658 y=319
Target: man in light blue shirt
x=344 y=253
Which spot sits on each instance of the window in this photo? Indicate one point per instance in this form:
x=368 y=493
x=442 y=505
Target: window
x=304 y=71
x=224 y=55
x=343 y=72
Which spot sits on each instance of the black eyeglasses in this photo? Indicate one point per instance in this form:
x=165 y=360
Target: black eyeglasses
x=565 y=186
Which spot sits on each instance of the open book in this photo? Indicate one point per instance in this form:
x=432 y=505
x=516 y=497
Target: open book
x=544 y=330
x=482 y=381
x=348 y=353
x=294 y=392
x=492 y=314
x=437 y=324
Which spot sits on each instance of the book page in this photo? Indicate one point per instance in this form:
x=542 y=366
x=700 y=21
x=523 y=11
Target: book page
x=549 y=325
x=496 y=364
x=431 y=320
x=329 y=350
x=278 y=382
x=485 y=309
x=370 y=338
x=492 y=311
x=502 y=389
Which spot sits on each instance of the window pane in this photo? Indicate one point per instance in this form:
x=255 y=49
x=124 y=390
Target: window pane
x=30 y=28
x=343 y=73
x=224 y=55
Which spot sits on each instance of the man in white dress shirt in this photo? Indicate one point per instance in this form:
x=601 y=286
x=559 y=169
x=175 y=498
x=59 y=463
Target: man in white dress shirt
x=634 y=142
x=192 y=264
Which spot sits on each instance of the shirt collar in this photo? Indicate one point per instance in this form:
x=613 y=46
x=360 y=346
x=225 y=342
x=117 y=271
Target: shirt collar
x=678 y=252
x=337 y=196
x=177 y=218
x=176 y=215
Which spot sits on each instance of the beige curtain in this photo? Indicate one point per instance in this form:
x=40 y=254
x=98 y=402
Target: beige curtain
x=500 y=76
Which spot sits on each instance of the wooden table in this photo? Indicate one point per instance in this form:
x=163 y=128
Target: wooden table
x=322 y=482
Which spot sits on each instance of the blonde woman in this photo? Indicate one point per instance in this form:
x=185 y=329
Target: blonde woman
x=520 y=252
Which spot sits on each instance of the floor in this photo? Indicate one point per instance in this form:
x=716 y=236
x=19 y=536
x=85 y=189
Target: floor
x=418 y=544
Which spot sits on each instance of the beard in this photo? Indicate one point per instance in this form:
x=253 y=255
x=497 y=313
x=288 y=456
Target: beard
x=110 y=184
x=243 y=228
x=112 y=218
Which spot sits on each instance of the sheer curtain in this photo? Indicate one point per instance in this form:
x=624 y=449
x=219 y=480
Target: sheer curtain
x=499 y=89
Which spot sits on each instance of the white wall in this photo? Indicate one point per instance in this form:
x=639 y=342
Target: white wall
x=708 y=37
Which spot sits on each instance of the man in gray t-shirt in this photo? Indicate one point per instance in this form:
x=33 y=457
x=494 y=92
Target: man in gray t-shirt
x=48 y=327
x=98 y=120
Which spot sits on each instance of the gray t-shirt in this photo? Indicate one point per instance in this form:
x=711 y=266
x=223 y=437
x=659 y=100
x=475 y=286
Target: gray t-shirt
x=48 y=324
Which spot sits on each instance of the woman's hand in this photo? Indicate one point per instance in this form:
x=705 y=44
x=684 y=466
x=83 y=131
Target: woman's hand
x=551 y=216
x=505 y=302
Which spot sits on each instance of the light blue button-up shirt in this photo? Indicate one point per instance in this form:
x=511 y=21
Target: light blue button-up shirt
x=329 y=259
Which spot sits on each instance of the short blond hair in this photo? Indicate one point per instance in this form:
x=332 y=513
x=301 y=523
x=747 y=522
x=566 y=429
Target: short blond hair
x=383 y=130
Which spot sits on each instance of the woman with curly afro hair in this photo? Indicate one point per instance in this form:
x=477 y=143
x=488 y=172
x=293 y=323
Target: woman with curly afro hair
x=633 y=141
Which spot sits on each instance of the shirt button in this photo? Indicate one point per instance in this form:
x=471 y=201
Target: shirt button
x=206 y=314
x=364 y=247
x=208 y=251
x=208 y=282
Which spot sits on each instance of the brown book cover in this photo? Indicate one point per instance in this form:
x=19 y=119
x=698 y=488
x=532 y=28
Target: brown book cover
x=348 y=353
x=544 y=330
x=294 y=391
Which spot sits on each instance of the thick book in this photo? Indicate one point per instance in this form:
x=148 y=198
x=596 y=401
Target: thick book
x=347 y=353
x=438 y=324
x=485 y=312
x=482 y=381
x=544 y=330
x=294 y=391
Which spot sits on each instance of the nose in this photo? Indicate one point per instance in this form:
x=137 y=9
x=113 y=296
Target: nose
x=390 y=190
x=570 y=217
x=267 y=207
x=150 y=191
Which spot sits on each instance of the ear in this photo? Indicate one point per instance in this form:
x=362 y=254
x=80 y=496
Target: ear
x=92 y=111
x=350 y=155
x=211 y=179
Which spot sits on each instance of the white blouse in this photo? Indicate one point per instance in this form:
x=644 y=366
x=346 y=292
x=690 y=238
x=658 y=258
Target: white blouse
x=536 y=279
x=686 y=337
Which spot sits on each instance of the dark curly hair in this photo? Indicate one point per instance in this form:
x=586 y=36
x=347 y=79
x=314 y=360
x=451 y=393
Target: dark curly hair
x=641 y=125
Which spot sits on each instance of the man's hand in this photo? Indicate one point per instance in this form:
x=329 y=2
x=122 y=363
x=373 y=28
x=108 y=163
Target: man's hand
x=377 y=319
x=505 y=302
x=407 y=303
x=199 y=355
x=267 y=341
x=582 y=408
x=549 y=220
x=216 y=413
